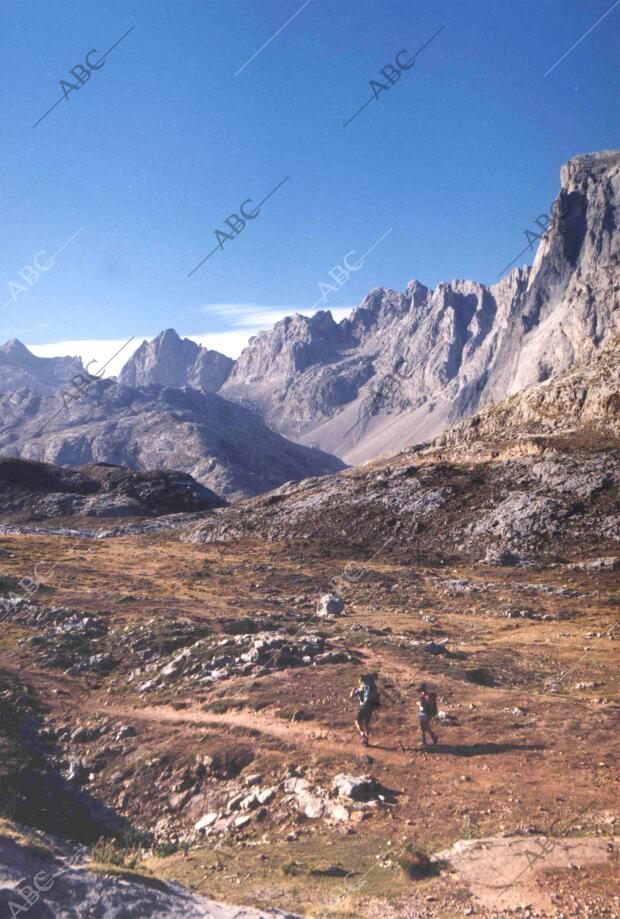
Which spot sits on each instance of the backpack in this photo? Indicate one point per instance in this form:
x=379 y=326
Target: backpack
x=430 y=704
x=371 y=694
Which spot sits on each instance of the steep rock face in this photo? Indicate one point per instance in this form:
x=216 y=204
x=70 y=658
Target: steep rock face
x=572 y=301
x=389 y=374
x=404 y=366
x=583 y=400
x=222 y=445
x=19 y=368
x=173 y=361
x=285 y=373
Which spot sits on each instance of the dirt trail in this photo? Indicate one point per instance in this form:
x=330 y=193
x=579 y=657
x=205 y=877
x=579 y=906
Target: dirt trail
x=297 y=733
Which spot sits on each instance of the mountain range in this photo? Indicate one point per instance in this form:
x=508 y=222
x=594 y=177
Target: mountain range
x=312 y=394
x=452 y=349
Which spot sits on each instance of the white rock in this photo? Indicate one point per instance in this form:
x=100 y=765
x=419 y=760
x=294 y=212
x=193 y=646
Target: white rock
x=205 y=822
x=330 y=605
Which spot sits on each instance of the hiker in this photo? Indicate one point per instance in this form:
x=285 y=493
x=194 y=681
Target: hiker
x=368 y=695
x=428 y=710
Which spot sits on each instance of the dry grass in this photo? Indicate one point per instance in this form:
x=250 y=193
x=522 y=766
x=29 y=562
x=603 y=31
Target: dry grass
x=522 y=769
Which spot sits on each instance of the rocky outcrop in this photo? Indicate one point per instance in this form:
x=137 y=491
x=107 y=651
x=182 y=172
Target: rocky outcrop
x=504 y=873
x=222 y=445
x=208 y=661
x=173 y=361
x=33 y=491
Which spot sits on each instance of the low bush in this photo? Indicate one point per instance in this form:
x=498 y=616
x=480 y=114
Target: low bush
x=415 y=863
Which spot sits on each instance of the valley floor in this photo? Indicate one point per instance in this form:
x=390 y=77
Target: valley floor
x=160 y=731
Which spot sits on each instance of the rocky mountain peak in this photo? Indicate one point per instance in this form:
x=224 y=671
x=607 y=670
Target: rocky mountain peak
x=174 y=361
x=588 y=166
x=14 y=348
x=406 y=365
x=20 y=368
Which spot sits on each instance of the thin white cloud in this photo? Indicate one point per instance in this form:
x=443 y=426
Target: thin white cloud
x=231 y=343
x=248 y=319
x=253 y=316
x=94 y=350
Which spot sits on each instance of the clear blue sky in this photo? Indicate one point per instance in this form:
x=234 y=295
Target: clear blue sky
x=164 y=142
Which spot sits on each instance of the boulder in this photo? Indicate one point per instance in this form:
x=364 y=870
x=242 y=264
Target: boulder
x=249 y=802
x=330 y=605
x=205 y=822
x=254 y=779
x=235 y=803
x=267 y=795
x=336 y=811
x=309 y=803
x=357 y=788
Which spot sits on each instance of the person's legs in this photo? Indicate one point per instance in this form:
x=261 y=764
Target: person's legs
x=363 y=718
x=431 y=732
x=368 y=717
x=423 y=727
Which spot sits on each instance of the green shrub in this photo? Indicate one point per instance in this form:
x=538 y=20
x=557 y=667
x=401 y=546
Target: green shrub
x=108 y=852
x=293 y=869
x=415 y=863
x=164 y=849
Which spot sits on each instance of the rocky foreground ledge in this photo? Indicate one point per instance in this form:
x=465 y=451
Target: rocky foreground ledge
x=40 y=876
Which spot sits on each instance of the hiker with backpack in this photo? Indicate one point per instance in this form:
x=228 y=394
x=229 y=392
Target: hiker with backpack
x=428 y=711
x=368 y=695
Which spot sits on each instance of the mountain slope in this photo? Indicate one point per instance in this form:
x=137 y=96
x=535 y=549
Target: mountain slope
x=222 y=445
x=582 y=401
x=541 y=469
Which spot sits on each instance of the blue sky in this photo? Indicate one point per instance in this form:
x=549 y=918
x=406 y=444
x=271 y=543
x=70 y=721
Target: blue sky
x=167 y=139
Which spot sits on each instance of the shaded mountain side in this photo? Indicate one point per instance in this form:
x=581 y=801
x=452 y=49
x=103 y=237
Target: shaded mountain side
x=31 y=490
x=222 y=445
